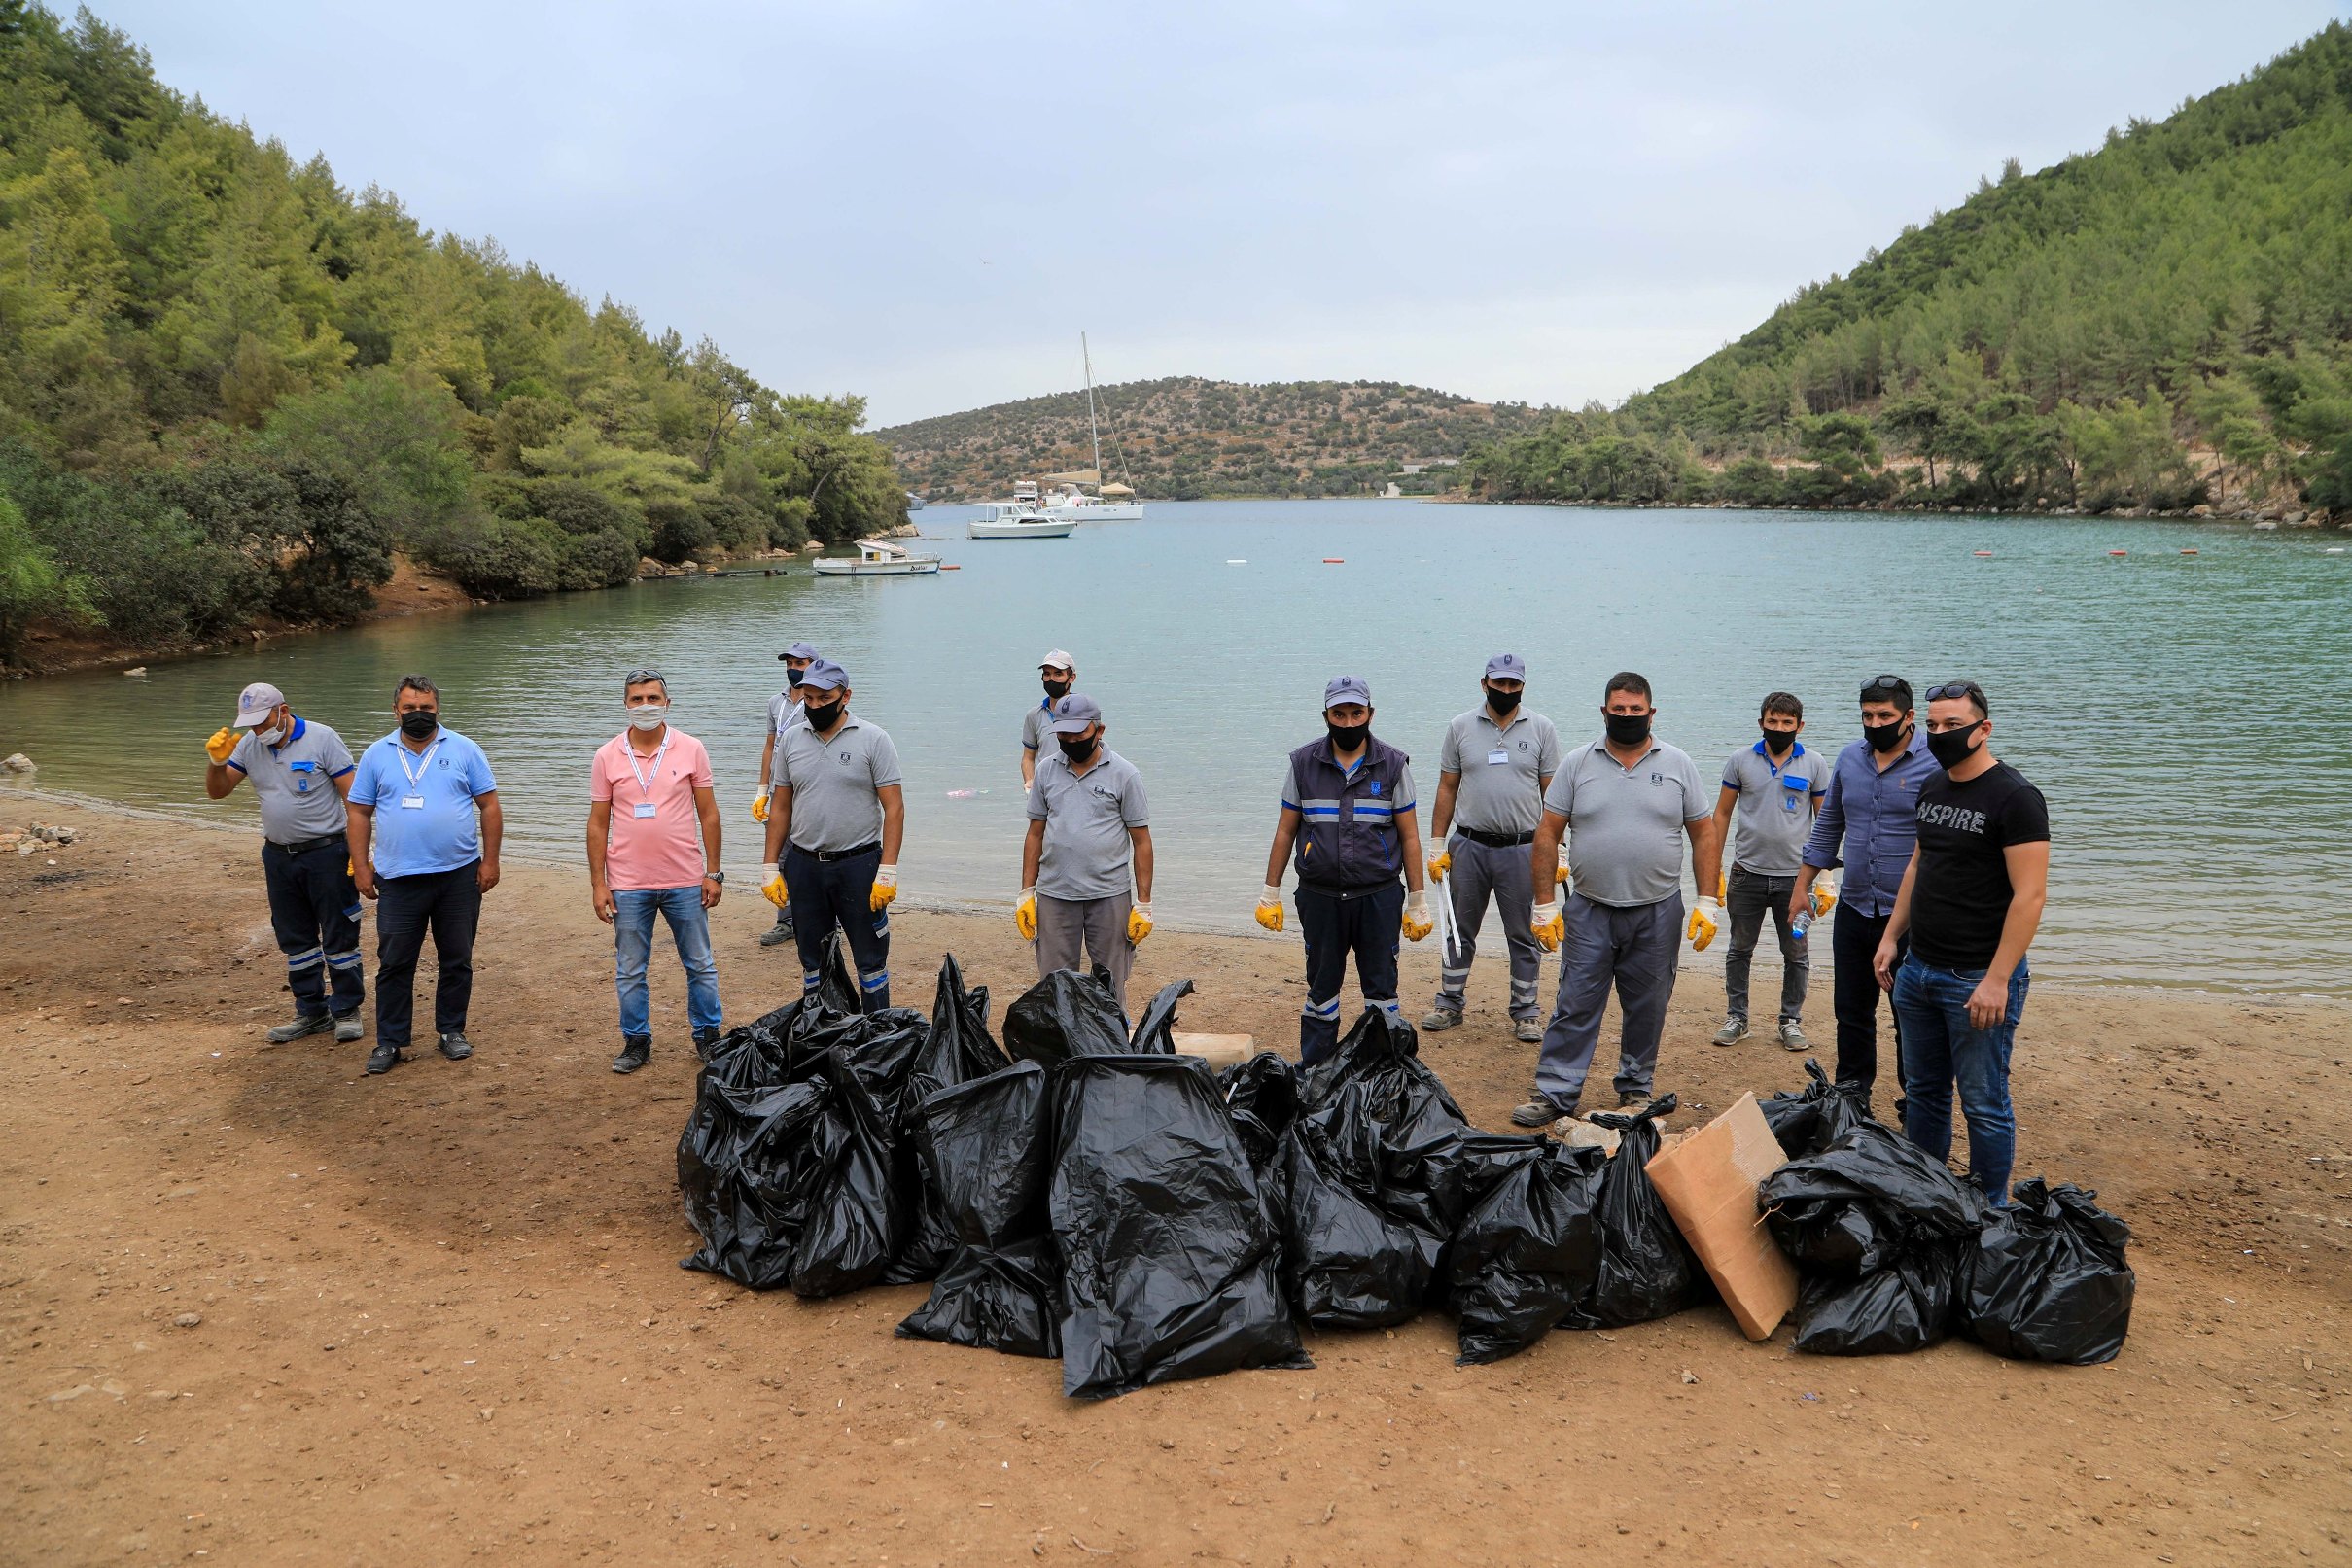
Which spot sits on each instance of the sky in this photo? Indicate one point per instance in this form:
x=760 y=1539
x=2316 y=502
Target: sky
x=926 y=201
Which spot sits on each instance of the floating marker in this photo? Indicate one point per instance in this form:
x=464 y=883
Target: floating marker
x=944 y=567
x=2119 y=552
x=1231 y=561
x=2187 y=552
x=1335 y=560
x=1983 y=555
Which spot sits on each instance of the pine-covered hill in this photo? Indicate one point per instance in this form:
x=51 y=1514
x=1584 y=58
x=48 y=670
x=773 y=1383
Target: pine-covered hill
x=1185 y=438
x=2165 y=320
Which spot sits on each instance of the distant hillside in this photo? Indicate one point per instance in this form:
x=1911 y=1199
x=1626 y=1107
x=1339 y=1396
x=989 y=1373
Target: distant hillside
x=1187 y=438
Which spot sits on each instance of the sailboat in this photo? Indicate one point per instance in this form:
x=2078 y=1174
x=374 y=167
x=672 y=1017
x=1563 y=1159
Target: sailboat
x=1080 y=496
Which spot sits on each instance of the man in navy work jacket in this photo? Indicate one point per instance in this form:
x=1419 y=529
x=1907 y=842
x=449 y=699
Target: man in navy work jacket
x=302 y=770
x=1868 y=823
x=1348 y=807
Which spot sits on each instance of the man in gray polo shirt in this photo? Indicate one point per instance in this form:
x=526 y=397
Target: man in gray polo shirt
x=1775 y=787
x=834 y=826
x=1626 y=802
x=301 y=771
x=1497 y=762
x=1086 y=864
x=783 y=712
x=1057 y=672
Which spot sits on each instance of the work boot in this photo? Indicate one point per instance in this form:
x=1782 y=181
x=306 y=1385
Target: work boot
x=778 y=933
x=1440 y=1019
x=1527 y=1030
x=347 y=1029
x=455 y=1046
x=384 y=1058
x=635 y=1050
x=1733 y=1030
x=706 y=1041
x=1792 y=1038
x=303 y=1024
x=1541 y=1111
x=1634 y=1104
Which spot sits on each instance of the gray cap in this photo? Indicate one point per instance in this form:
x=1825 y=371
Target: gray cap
x=1347 y=689
x=823 y=676
x=255 y=702
x=798 y=651
x=1510 y=666
x=1057 y=659
x=1073 y=713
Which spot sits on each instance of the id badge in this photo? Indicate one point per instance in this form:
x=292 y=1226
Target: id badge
x=644 y=808
x=1497 y=757
x=412 y=803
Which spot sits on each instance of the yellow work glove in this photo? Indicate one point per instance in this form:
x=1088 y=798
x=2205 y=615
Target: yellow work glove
x=1723 y=885
x=886 y=889
x=759 y=806
x=1549 y=929
x=1560 y=875
x=1138 y=925
x=1025 y=914
x=1269 y=907
x=1705 y=921
x=1439 y=864
x=1825 y=896
x=1416 y=922
x=222 y=742
x=771 y=886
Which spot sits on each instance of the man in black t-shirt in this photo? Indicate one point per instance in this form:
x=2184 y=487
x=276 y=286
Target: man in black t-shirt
x=1970 y=904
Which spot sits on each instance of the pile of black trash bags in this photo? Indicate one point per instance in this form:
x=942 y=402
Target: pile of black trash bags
x=1894 y=1252
x=1084 y=1192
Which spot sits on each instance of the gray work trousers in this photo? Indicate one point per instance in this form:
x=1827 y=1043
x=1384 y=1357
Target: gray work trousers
x=1636 y=950
x=1099 y=925
x=1482 y=871
x=1752 y=896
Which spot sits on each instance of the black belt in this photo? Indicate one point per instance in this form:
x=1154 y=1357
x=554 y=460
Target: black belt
x=827 y=857
x=1497 y=841
x=308 y=845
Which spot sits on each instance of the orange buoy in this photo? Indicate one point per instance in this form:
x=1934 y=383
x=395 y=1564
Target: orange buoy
x=2187 y=552
x=949 y=566
x=1335 y=560
x=2119 y=552
x=1982 y=554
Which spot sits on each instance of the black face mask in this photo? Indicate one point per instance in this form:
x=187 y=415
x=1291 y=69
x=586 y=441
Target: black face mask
x=1886 y=738
x=1503 y=701
x=1955 y=746
x=1777 y=741
x=416 y=725
x=821 y=718
x=1347 y=737
x=1056 y=690
x=791 y=679
x=1076 y=747
x=1626 y=729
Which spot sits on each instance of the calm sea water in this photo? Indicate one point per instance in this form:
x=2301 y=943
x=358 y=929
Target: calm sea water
x=2184 y=714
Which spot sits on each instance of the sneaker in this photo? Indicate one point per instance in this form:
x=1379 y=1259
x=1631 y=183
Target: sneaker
x=303 y=1024
x=776 y=935
x=1527 y=1030
x=1733 y=1030
x=1634 y=1105
x=1440 y=1019
x=348 y=1029
x=635 y=1051
x=1792 y=1038
x=456 y=1047
x=706 y=1041
x=383 y=1058
x=1540 y=1111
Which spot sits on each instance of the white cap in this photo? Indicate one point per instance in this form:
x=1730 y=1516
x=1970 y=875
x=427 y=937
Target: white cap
x=255 y=703
x=1057 y=659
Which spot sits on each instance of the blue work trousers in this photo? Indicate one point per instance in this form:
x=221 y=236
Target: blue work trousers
x=1941 y=1047
x=450 y=904
x=314 y=913
x=836 y=894
x=633 y=911
x=1635 y=950
x=1366 y=925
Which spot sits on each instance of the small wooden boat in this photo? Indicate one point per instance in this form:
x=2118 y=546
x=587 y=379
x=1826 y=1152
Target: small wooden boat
x=876 y=558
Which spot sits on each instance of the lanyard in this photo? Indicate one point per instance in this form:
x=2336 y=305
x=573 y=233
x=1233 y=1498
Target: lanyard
x=417 y=773
x=644 y=785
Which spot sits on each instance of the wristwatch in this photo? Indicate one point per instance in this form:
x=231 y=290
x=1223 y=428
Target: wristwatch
x=718 y=877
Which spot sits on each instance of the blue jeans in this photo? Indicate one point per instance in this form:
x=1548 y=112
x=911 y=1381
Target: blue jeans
x=1941 y=1047
x=633 y=914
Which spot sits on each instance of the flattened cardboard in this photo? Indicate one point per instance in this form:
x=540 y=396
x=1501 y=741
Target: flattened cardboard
x=1220 y=1050
x=1708 y=1180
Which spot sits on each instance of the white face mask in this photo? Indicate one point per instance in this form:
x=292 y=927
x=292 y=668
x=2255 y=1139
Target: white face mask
x=270 y=736
x=650 y=717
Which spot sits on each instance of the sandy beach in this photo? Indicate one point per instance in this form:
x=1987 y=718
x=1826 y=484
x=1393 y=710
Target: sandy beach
x=260 y=1308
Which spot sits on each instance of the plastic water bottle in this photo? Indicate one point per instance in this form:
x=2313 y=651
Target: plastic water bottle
x=1803 y=922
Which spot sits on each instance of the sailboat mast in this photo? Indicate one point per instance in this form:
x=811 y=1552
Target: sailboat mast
x=1087 y=358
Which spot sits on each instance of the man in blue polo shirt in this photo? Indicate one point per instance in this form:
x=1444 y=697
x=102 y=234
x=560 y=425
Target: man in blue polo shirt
x=1347 y=806
x=424 y=830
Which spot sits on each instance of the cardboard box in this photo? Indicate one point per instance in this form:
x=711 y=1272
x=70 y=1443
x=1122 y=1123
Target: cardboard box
x=1220 y=1050
x=1708 y=1180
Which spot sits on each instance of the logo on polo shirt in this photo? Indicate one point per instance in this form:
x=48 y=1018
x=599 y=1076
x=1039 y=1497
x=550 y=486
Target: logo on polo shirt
x=845 y=756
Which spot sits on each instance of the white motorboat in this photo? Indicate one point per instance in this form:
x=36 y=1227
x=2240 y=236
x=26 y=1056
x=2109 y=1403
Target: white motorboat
x=1018 y=519
x=1063 y=497
x=876 y=558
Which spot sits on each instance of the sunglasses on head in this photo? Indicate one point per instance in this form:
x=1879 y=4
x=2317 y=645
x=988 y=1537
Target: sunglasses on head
x=1957 y=688
x=1890 y=686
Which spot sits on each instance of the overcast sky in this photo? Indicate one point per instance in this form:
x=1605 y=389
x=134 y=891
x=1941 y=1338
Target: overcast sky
x=926 y=201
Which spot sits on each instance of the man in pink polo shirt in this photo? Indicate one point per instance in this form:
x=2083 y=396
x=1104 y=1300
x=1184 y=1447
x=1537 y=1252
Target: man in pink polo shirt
x=648 y=795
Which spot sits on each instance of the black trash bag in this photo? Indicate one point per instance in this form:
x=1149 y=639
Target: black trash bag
x=1348 y=1261
x=1528 y=1252
x=747 y=1167
x=1647 y=1270
x=1806 y=1123
x=1907 y=1306
x=1066 y=1014
x=1168 y=1256
x=955 y=1048
x=1155 y=1031
x=1262 y=1096
x=857 y=1217
x=989 y=1143
x=2048 y=1280
x=1862 y=1202
x=1383 y=1053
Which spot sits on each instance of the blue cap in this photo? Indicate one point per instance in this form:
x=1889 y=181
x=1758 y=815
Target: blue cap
x=823 y=676
x=1510 y=666
x=1073 y=713
x=798 y=651
x=1347 y=689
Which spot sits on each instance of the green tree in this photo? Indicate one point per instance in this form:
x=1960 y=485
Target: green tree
x=31 y=587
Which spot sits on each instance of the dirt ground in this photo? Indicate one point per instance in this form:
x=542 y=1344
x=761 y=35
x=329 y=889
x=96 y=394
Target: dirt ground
x=438 y=1315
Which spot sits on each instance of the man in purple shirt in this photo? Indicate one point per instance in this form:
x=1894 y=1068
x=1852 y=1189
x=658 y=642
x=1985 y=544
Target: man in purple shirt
x=1868 y=823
